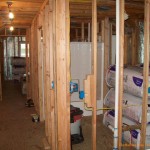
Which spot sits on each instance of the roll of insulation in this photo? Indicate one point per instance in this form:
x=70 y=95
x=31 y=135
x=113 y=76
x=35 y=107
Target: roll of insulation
x=131 y=137
x=132 y=105
x=133 y=80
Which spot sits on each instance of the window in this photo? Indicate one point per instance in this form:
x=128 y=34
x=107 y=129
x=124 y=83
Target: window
x=22 y=50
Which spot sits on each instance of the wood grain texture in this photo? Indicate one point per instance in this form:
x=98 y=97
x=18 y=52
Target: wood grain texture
x=63 y=74
x=145 y=74
x=121 y=70
x=94 y=69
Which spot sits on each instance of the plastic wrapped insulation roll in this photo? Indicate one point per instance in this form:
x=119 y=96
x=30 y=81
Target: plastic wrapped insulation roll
x=132 y=138
x=133 y=80
x=132 y=105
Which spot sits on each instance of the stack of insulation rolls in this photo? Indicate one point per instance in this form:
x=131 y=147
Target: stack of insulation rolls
x=132 y=104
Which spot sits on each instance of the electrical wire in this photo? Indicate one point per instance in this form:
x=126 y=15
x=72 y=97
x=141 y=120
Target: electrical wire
x=91 y=109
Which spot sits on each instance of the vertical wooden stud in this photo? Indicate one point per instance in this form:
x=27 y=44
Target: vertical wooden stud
x=52 y=79
x=94 y=47
x=121 y=67
x=82 y=31
x=40 y=67
x=63 y=73
x=145 y=74
x=110 y=43
x=76 y=30
x=89 y=32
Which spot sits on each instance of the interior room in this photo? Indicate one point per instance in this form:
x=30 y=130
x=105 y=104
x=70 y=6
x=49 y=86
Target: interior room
x=74 y=75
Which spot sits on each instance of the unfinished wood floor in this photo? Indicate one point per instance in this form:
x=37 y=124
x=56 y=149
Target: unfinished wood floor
x=17 y=131
x=104 y=135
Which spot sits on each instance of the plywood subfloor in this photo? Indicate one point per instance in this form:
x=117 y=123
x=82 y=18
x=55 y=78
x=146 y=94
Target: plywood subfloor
x=17 y=131
x=104 y=136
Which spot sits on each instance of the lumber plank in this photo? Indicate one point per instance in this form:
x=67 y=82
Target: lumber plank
x=110 y=43
x=54 y=77
x=133 y=127
x=47 y=71
x=89 y=32
x=121 y=67
x=51 y=67
x=94 y=86
x=40 y=68
x=44 y=70
x=63 y=73
x=82 y=31
x=145 y=74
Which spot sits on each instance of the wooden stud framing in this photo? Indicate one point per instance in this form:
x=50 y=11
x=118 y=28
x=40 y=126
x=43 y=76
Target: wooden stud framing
x=40 y=68
x=52 y=74
x=94 y=47
x=145 y=74
x=82 y=31
x=63 y=73
x=1 y=62
x=47 y=71
x=44 y=70
x=76 y=34
x=121 y=67
x=28 y=81
x=34 y=65
x=110 y=43
x=1 y=82
x=89 y=32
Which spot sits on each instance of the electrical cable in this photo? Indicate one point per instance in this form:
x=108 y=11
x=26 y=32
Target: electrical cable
x=91 y=109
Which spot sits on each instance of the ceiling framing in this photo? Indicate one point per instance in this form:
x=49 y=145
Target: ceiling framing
x=80 y=10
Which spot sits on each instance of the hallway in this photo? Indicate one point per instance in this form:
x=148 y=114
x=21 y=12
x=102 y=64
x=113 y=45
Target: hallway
x=17 y=130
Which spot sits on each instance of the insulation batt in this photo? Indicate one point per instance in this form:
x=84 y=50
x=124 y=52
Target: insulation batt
x=133 y=80
x=132 y=105
x=131 y=137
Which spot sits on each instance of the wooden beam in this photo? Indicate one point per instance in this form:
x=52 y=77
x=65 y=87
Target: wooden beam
x=63 y=73
x=43 y=5
x=145 y=74
x=52 y=75
x=94 y=67
x=28 y=65
x=1 y=52
x=44 y=70
x=76 y=34
x=121 y=69
x=47 y=69
x=82 y=31
x=89 y=32
x=41 y=8
x=132 y=127
x=110 y=43
x=40 y=68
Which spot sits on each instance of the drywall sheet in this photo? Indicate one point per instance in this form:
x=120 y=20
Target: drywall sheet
x=81 y=66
